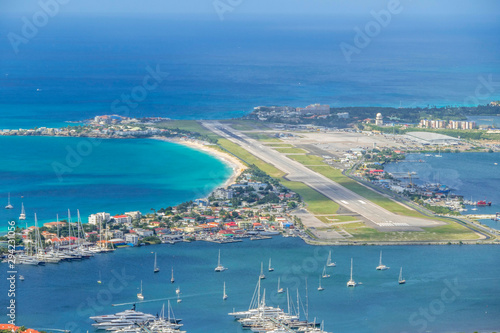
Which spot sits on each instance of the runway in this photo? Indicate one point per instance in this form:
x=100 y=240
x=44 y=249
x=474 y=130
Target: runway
x=377 y=216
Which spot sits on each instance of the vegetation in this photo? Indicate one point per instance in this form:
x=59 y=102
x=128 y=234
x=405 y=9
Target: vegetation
x=151 y=240
x=290 y=150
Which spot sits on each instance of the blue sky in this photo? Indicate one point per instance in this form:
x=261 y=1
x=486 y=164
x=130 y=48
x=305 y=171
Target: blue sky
x=442 y=8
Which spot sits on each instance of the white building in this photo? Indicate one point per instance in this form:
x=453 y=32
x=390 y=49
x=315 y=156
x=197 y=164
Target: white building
x=132 y=239
x=143 y=232
x=379 y=119
x=134 y=215
x=122 y=219
x=98 y=218
x=317 y=109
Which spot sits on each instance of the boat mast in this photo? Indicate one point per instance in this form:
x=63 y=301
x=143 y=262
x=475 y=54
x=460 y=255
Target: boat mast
x=307 y=303
x=351 y=269
x=69 y=227
x=287 y=299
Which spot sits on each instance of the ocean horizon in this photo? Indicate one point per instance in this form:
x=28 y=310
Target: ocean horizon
x=240 y=65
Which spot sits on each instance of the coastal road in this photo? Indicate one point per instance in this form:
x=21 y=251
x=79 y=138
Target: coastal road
x=377 y=216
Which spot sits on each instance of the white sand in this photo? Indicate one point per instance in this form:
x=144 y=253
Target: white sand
x=228 y=159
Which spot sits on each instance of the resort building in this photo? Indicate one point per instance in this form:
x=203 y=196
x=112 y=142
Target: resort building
x=122 y=219
x=134 y=215
x=316 y=109
x=98 y=218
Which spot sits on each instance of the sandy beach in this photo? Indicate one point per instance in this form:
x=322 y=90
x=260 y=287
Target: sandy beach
x=236 y=165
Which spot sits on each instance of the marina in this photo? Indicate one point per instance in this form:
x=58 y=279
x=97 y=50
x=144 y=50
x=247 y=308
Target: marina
x=203 y=307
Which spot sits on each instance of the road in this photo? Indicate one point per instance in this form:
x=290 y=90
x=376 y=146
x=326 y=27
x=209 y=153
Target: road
x=379 y=217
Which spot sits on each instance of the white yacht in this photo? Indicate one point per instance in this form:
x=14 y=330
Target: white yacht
x=329 y=262
x=270 y=269
x=156 y=268
x=224 y=295
x=381 y=267
x=325 y=275
x=23 y=214
x=219 y=267
x=262 y=276
x=320 y=288
x=132 y=315
x=9 y=206
x=401 y=280
x=351 y=282
x=280 y=290
x=140 y=296
x=113 y=323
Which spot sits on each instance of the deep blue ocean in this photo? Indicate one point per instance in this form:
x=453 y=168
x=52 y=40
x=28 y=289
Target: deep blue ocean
x=448 y=288
x=76 y=67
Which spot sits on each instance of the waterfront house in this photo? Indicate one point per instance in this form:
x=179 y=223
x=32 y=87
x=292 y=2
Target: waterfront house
x=61 y=241
x=132 y=239
x=226 y=233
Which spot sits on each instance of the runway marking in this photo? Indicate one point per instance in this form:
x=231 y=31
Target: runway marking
x=344 y=202
x=364 y=203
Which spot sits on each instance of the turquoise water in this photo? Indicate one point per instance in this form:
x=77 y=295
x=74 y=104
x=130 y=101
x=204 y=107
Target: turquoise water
x=57 y=174
x=65 y=295
x=473 y=175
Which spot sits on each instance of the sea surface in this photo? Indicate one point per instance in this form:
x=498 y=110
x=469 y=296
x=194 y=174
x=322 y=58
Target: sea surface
x=448 y=288
x=52 y=174
x=76 y=67
x=213 y=69
x=476 y=176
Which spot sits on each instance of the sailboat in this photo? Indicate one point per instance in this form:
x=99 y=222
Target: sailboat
x=262 y=276
x=178 y=290
x=381 y=267
x=329 y=262
x=23 y=214
x=219 y=267
x=280 y=290
x=156 y=268
x=351 y=282
x=140 y=296
x=172 y=280
x=179 y=299
x=100 y=281
x=9 y=206
x=320 y=288
x=439 y=153
x=270 y=267
x=224 y=295
x=325 y=275
x=401 y=280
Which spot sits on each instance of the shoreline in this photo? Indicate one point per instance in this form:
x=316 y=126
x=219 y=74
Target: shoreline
x=233 y=162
